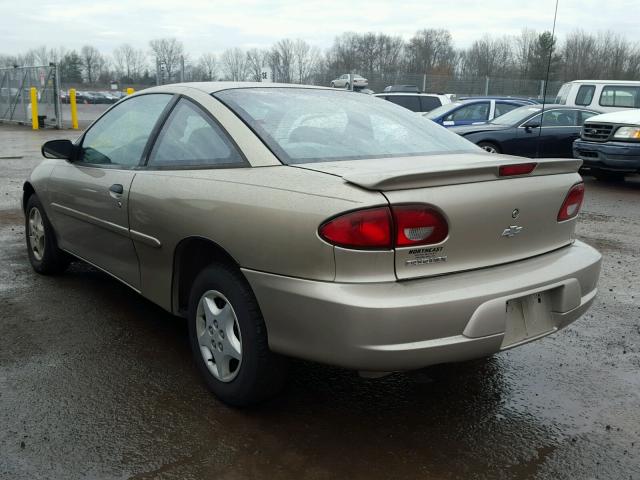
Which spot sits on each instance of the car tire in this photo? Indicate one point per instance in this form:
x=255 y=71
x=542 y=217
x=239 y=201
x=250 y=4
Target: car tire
x=608 y=176
x=333 y=85
x=346 y=86
x=489 y=147
x=44 y=255
x=224 y=321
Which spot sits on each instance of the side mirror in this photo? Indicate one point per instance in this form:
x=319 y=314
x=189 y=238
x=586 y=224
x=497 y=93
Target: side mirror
x=63 y=149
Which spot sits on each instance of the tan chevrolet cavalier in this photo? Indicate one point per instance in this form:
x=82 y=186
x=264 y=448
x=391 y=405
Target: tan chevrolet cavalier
x=307 y=222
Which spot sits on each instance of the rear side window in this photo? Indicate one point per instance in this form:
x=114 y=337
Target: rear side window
x=429 y=103
x=585 y=115
x=190 y=138
x=563 y=94
x=502 y=108
x=585 y=95
x=620 y=96
x=411 y=102
x=477 y=112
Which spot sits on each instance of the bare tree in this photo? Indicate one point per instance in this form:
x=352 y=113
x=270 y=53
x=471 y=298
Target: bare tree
x=281 y=60
x=430 y=50
x=168 y=53
x=207 y=63
x=488 y=57
x=92 y=62
x=306 y=59
x=129 y=62
x=256 y=60
x=234 y=64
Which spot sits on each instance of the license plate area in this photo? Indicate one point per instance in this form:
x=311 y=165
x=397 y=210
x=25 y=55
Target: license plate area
x=526 y=318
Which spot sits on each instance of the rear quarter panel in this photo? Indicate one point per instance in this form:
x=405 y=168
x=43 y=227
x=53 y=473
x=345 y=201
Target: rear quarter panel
x=266 y=218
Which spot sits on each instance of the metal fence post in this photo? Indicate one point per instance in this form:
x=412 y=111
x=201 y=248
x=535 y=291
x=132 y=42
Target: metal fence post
x=486 y=86
x=542 y=89
x=57 y=106
x=34 y=108
x=424 y=82
x=74 y=108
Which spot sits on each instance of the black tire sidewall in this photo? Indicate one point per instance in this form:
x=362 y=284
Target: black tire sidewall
x=53 y=260
x=490 y=144
x=245 y=388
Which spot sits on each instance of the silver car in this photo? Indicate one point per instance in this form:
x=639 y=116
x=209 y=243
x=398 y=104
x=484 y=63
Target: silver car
x=290 y=221
x=343 y=81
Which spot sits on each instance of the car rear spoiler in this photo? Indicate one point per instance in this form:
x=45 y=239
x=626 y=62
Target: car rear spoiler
x=433 y=176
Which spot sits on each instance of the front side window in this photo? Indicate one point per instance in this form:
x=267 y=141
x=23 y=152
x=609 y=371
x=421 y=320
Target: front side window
x=620 y=96
x=560 y=118
x=303 y=125
x=585 y=94
x=119 y=138
x=190 y=138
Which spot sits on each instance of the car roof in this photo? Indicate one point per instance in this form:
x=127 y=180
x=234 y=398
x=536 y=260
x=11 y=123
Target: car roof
x=614 y=82
x=386 y=94
x=212 y=87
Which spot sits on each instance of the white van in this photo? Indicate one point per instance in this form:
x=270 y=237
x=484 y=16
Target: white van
x=602 y=95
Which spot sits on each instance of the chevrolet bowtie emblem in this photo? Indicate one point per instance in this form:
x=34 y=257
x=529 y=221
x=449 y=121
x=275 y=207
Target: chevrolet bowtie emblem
x=512 y=231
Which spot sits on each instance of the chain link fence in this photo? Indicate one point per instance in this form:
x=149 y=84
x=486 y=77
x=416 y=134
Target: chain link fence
x=460 y=86
x=15 y=95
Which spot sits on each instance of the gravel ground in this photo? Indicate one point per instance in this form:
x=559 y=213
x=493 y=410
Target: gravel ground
x=96 y=382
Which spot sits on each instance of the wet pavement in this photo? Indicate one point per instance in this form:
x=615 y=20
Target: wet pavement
x=96 y=382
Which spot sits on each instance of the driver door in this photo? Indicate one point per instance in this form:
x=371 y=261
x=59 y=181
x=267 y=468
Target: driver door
x=89 y=197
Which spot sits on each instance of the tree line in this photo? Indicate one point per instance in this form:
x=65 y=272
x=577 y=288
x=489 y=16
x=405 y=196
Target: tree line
x=432 y=51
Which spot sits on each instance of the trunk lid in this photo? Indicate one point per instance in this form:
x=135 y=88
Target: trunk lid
x=492 y=219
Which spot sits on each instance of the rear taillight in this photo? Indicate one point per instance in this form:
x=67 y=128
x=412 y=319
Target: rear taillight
x=418 y=225
x=362 y=229
x=386 y=228
x=516 y=169
x=571 y=205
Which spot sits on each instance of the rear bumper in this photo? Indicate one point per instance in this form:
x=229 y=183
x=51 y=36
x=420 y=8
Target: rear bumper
x=618 y=156
x=416 y=323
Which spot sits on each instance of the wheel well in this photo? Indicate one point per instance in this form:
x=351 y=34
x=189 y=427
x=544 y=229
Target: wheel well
x=27 y=191
x=191 y=256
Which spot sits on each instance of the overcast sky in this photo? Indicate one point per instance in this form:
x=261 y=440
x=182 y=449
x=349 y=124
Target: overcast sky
x=209 y=25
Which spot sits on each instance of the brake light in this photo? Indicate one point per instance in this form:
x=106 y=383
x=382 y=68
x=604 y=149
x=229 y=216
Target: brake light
x=572 y=203
x=418 y=225
x=517 y=169
x=366 y=229
x=386 y=228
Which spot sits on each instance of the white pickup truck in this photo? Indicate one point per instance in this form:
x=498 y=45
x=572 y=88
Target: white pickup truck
x=609 y=144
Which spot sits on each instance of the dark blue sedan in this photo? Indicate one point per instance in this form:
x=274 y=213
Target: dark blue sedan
x=474 y=111
x=527 y=132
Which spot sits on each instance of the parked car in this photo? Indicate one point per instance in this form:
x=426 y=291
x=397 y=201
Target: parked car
x=343 y=81
x=416 y=102
x=471 y=112
x=104 y=97
x=85 y=97
x=610 y=144
x=528 y=132
x=602 y=95
x=359 y=246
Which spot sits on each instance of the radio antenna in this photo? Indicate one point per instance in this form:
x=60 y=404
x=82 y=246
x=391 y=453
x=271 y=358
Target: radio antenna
x=546 y=80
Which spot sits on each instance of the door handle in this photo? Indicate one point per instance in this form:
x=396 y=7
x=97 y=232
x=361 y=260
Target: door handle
x=116 y=188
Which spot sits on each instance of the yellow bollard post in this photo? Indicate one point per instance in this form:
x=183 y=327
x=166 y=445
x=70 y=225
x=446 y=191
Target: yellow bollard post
x=130 y=90
x=34 y=108
x=74 y=108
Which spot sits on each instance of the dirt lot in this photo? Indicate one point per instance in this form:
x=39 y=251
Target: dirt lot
x=96 y=382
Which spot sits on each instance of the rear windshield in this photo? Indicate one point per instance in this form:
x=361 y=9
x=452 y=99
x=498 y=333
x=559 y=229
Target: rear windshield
x=306 y=125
